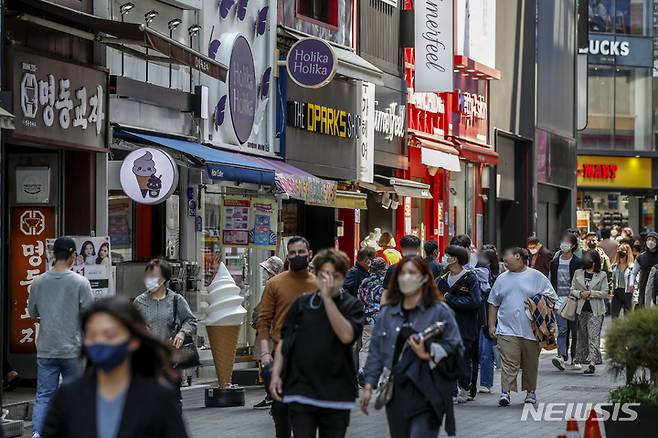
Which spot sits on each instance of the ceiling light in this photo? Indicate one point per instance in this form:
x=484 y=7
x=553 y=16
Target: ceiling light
x=150 y=15
x=126 y=7
x=194 y=29
x=173 y=24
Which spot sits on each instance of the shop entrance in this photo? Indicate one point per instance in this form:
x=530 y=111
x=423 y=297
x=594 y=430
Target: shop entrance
x=552 y=214
x=606 y=209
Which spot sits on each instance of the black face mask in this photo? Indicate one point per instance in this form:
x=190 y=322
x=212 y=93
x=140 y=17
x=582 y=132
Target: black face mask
x=592 y=244
x=298 y=263
x=587 y=264
x=621 y=254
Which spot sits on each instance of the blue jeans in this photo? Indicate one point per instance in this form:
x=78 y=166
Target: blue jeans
x=48 y=372
x=486 y=359
x=566 y=329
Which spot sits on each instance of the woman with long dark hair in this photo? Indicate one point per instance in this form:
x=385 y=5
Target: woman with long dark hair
x=424 y=372
x=126 y=391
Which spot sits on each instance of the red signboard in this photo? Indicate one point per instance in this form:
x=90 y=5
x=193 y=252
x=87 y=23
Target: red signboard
x=469 y=109
x=598 y=171
x=29 y=229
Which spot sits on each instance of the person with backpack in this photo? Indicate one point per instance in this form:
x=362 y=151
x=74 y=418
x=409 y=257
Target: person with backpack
x=461 y=290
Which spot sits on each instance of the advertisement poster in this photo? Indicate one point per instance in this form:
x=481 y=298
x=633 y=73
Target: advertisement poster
x=93 y=260
x=264 y=224
x=235 y=221
x=29 y=228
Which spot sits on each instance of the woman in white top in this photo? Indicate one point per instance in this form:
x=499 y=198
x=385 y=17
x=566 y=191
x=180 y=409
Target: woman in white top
x=590 y=286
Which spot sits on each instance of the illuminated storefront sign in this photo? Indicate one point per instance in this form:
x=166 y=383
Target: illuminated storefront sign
x=623 y=172
x=323 y=119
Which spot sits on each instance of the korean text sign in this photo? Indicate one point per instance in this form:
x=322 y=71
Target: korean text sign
x=29 y=228
x=57 y=101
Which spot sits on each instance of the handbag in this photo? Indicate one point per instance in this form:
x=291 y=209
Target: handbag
x=384 y=391
x=568 y=308
x=187 y=356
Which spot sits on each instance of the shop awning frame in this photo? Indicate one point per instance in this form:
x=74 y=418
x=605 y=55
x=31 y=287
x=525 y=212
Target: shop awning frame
x=219 y=165
x=434 y=158
x=476 y=153
x=118 y=35
x=350 y=64
x=408 y=188
x=351 y=200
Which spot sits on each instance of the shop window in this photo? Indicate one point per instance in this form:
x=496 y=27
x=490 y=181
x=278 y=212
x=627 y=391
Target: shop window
x=120 y=227
x=620 y=16
x=619 y=116
x=324 y=12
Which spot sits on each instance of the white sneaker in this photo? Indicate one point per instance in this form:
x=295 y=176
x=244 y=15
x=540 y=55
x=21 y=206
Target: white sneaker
x=558 y=363
x=484 y=390
x=462 y=396
x=576 y=366
x=36 y=435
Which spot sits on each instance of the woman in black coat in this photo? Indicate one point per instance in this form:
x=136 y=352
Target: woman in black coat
x=126 y=391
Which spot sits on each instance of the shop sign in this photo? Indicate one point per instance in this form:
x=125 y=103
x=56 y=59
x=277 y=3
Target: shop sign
x=149 y=176
x=429 y=102
x=29 y=228
x=249 y=222
x=390 y=122
x=619 y=49
x=93 y=261
x=470 y=109
x=32 y=185
x=434 y=45
x=311 y=63
x=366 y=144
x=323 y=119
x=237 y=34
x=623 y=172
x=58 y=102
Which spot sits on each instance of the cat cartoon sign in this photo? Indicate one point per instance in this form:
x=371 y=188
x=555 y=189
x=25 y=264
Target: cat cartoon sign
x=149 y=176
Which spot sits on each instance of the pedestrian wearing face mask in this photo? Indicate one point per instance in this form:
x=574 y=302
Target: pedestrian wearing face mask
x=411 y=246
x=621 y=279
x=642 y=267
x=314 y=373
x=461 y=291
x=563 y=268
x=590 y=286
x=127 y=390
x=157 y=306
x=592 y=242
x=280 y=293
x=56 y=298
x=540 y=257
x=423 y=372
x=480 y=269
x=510 y=326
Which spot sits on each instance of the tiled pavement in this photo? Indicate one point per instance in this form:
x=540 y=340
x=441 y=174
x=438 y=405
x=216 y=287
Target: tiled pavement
x=479 y=418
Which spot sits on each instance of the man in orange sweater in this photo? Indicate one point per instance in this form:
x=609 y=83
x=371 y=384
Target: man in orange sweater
x=280 y=292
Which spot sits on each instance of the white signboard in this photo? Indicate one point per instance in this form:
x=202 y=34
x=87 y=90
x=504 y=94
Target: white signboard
x=32 y=185
x=476 y=30
x=434 y=45
x=149 y=176
x=366 y=149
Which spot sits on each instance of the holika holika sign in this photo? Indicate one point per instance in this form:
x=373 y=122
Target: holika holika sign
x=434 y=45
x=323 y=119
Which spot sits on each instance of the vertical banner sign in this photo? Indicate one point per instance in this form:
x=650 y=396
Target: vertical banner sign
x=29 y=228
x=434 y=45
x=366 y=149
x=264 y=215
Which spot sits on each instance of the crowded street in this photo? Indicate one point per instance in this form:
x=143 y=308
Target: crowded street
x=329 y=218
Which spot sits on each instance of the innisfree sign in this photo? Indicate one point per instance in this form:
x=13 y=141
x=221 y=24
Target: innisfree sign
x=311 y=63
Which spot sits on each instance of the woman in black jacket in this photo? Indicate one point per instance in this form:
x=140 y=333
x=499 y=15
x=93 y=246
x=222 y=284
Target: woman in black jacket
x=462 y=293
x=126 y=391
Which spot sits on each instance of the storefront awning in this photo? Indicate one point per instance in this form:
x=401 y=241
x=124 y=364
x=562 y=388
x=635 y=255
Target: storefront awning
x=130 y=38
x=6 y=119
x=352 y=200
x=220 y=165
x=350 y=64
x=476 y=153
x=434 y=158
x=405 y=187
x=299 y=184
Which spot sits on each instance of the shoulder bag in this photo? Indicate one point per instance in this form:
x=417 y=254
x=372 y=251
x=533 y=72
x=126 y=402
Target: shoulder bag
x=187 y=356
x=568 y=308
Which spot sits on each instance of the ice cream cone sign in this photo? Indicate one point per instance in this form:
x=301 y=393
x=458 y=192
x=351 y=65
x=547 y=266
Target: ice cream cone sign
x=225 y=316
x=149 y=175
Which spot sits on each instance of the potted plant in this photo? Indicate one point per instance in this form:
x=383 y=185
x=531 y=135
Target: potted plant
x=632 y=350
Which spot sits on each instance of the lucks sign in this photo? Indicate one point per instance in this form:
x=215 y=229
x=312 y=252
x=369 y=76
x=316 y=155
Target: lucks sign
x=311 y=63
x=434 y=45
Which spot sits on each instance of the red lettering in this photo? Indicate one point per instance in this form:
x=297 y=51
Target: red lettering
x=588 y=170
x=605 y=171
x=597 y=171
x=613 y=171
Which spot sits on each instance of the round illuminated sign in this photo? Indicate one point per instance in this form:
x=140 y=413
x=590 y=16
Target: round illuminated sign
x=242 y=89
x=149 y=176
x=311 y=63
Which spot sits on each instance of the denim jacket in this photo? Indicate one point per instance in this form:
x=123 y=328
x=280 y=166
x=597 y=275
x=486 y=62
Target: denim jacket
x=391 y=318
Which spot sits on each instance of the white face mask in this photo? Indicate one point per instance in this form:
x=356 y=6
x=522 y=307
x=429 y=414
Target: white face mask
x=151 y=283
x=444 y=259
x=565 y=247
x=409 y=283
x=473 y=259
x=651 y=243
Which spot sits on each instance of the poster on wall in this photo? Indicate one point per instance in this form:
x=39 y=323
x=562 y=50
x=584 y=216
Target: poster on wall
x=28 y=230
x=235 y=221
x=434 y=45
x=93 y=260
x=263 y=228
